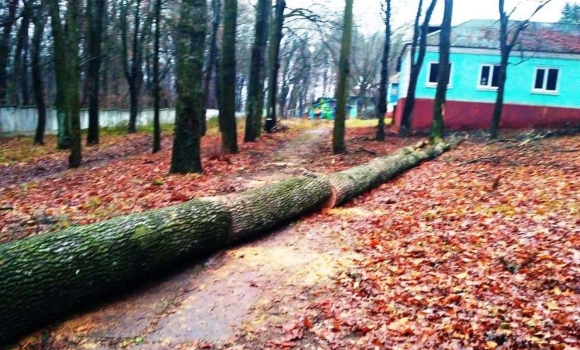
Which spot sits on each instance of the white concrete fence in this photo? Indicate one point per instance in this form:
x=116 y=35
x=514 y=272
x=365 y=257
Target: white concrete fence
x=22 y=120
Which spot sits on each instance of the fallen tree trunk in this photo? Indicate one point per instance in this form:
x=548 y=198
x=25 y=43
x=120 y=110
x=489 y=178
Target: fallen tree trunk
x=355 y=181
x=48 y=276
x=258 y=210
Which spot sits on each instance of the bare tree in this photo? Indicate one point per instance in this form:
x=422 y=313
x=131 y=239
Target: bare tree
x=338 y=144
x=95 y=16
x=191 y=30
x=383 y=89
x=255 y=100
x=437 y=127
x=8 y=18
x=508 y=38
x=212 y=60
x=419 y=43
x=227 y=116
x=275 y=39
x=37 y=83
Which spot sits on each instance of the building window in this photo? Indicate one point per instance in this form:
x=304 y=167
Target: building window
x=489 y=76
x=433 y=74
x=546 y=79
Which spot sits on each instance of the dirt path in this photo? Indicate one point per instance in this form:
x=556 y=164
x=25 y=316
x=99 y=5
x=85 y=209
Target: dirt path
x=291 y=160
x=231 y=297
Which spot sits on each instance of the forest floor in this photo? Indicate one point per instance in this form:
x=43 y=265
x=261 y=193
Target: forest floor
x=479 y=248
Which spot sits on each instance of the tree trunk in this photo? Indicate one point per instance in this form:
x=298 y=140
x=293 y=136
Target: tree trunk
x=274 y=60
x=420 y=40
x=8 y=23
x=72 y=78
x=437 y=127
x=384 y=84
x=211 y=61
x=48 y=276
x=255 y=100
x=95 y=15
x=227 y=116
x=191 y=30
x=505 y=53
x=60 y=73
x=156 y=85
x=19 y=62
x=350 y=183
x=498 y=106
x=37 y=84
x=338 y=144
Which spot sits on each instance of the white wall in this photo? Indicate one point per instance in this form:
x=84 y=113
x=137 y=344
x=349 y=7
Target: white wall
x=22 y=120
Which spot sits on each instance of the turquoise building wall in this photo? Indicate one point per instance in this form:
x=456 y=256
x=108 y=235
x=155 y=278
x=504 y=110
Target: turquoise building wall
x=521 y=74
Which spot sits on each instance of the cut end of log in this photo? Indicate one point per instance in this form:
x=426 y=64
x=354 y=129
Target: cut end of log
x=332 y=200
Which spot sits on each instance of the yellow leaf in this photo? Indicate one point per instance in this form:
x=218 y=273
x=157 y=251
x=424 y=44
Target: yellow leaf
x=491 y=344
x=552 y=305
x=461 y=276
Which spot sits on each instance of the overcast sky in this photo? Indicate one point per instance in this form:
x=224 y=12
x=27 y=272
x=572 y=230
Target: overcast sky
x=367 y=12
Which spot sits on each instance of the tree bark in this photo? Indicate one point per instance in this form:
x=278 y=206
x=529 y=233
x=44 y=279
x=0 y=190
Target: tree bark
x=384 y=84
x=338 y=144
x=355 y=181
x=51 y=275
x=8 y=23
x=95 y=16
x=72 y=78
x=186 y=155
x=211 y=62
x=227 y=116
x=255 y=100
x=60 y=73
x=20 y=70
x=37 y=83
x=420 y=40
x=274 y=62
x=437 y=127
x=507 y=40
x=156 y=85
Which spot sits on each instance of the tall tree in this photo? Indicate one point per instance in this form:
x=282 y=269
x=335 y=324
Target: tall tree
x=437 y=127
x=571 y=14
x=255 y=100
x=227 y=116
x=419 y=43
x=95 y=16
x=338 y=144
x=8 y=18
x=156 y=84
x=20 y=61
x=72 y=78
x=134 y=69
x=191 y=31
x=274 y=64
x=60 y=74
x=383 y=88
x=37 y=83
x=508 y=38
x=212 y=60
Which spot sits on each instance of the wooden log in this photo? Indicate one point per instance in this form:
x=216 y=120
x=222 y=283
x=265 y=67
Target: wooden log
x=355 y=181
x=261 y=209
x=45 y=277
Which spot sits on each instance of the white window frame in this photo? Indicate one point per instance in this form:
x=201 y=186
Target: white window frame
x=493 y=67
x=434 y=85
x=544 y=89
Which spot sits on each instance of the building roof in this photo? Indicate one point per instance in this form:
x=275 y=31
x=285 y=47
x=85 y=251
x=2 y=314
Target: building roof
x=538 y=36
